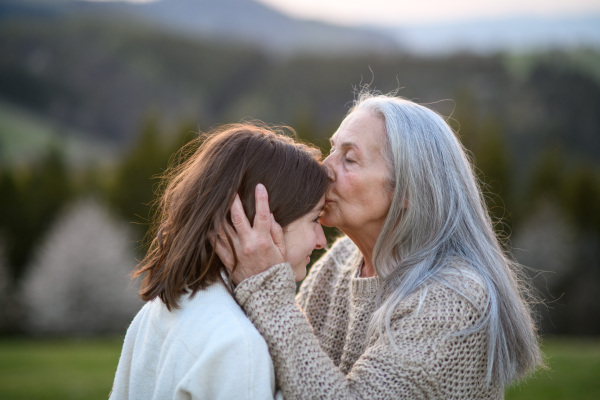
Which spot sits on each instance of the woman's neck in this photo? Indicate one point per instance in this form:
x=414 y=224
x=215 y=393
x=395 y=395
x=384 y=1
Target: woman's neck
x=365 y=244
x=367 y=271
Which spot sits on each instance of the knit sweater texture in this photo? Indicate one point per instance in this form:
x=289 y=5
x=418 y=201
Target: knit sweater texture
x=206 y=349
x=319 y=345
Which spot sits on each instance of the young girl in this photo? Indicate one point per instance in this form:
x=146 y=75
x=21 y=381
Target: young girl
x=192 y=340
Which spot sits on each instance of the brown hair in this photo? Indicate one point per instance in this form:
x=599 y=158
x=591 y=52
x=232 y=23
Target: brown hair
x=199 y=192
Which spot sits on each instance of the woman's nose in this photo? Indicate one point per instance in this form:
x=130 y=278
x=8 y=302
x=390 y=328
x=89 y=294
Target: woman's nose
x=329 y=169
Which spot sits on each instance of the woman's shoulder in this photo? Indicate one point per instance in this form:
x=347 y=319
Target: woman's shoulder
x=459 y=297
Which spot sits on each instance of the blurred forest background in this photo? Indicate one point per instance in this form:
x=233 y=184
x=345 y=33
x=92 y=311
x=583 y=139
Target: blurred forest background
x=96 y=98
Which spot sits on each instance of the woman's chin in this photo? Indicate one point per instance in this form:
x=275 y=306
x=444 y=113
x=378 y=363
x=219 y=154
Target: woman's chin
x=328 y=220
x=326 y=223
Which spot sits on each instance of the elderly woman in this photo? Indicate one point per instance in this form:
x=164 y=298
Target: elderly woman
x=418 y=300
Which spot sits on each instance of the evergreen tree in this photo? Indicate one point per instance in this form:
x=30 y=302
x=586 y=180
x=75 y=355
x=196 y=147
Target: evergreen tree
x=136 y=178
x=29 y=202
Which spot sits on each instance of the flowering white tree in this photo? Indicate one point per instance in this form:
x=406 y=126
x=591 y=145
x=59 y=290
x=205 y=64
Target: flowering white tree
x=79 y=282
x=564 y=260
x=547 y=243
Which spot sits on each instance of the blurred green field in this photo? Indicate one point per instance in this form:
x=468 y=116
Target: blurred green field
x=24 y=136
x=573 y=373
x=84 y=369
x=57 y=369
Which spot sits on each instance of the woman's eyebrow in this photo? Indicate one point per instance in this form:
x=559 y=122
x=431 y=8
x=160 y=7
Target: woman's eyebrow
x=346 y=145
x=343 y=144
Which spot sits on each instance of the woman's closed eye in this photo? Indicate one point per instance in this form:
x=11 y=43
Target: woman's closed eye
x=349 y=157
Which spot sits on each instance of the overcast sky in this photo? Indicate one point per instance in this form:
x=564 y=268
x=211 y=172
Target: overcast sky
x=390 y=12
x=419 y=11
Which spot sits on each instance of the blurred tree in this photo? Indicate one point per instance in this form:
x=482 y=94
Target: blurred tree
x=132 y=190
x=575 y=186
x=10 y=211
x=569 y=100
x=547 y=174
x=78 y=283
x=581 y=196
x=137 y=180
x=29 y=202
x=485 y=139
x=492 y=158
x=558 y=237
x=4 y=288
x=546 y=243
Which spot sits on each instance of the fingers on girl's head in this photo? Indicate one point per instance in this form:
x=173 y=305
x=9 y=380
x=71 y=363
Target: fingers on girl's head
x=262 y=219
x=238 y=216
x=223 y=250
x=212 y=237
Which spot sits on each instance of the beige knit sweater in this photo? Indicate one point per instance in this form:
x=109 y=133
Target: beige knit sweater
x=318 y=341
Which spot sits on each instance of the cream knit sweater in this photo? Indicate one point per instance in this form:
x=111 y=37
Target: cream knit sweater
x=318 y=341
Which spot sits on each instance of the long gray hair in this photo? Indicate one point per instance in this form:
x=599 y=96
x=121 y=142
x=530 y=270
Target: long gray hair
x=446 y=219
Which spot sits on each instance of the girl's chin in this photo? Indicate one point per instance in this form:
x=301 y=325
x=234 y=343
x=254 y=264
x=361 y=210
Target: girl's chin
x=299 y=276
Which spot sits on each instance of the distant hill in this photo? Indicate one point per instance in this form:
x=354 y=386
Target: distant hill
x=231 y=20
x=488 y=35
x=258 y=25
x=101 y=73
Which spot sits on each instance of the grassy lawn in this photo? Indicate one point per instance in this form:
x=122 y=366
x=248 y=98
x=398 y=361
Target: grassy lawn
x=574 y=372
x=84 y=369
x=57 y=369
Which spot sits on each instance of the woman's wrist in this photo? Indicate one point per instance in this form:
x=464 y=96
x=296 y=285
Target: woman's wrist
x=277 y=278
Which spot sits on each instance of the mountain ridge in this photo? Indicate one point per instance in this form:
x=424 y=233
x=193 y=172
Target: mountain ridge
x=245 y=21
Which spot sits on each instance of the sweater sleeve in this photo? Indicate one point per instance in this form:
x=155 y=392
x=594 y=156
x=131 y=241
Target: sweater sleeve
x=426 y=361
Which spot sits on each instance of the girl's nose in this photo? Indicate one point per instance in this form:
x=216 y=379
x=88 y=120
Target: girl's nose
x=321 y=239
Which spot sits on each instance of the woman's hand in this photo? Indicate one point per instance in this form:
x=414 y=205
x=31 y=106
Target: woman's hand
x=257 y=247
